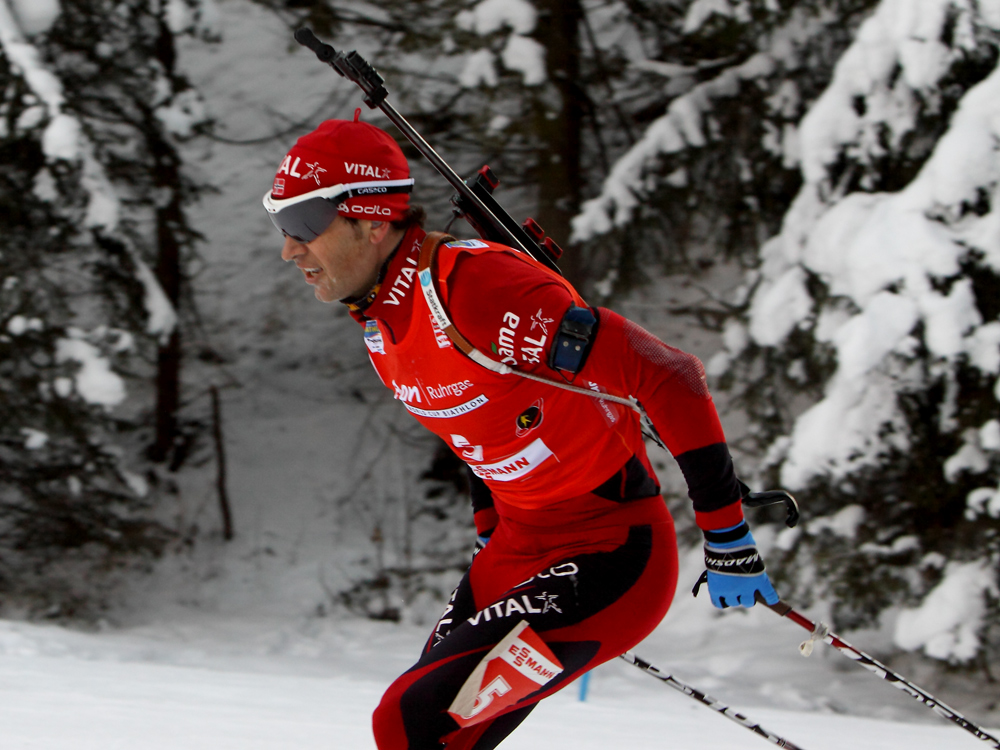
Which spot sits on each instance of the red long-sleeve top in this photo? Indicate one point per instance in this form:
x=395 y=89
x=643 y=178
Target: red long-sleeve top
x=535 y=445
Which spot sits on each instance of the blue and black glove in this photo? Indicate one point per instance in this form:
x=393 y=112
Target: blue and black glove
x=481 y=541
x=734 y=569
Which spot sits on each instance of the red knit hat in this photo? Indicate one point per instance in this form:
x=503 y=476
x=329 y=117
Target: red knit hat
x=345 y=152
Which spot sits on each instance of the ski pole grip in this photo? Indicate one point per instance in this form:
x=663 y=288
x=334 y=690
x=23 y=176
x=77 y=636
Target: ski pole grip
x=771 y=497
x=780 y=608
x=306 y=38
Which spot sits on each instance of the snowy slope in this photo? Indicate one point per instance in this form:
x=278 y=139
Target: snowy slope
x=236 y=645
x=158 y=690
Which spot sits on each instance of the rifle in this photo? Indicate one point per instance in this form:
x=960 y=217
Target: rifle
x=475 y=203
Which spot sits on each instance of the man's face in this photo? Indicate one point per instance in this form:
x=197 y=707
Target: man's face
x=341 y=262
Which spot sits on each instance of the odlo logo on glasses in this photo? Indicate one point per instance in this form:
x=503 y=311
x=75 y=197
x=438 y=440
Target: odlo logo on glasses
x=365 y=210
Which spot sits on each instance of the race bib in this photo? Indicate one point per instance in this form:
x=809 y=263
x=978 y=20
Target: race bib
x=513 y=669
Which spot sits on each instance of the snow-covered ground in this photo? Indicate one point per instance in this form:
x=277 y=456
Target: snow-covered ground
x=207 y=682
x=236 y=645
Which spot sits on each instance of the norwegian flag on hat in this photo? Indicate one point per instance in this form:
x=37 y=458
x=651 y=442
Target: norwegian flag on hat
x=341 y=152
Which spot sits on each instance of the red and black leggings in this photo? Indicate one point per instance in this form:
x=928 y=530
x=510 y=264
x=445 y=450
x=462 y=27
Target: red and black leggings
x=591 y=593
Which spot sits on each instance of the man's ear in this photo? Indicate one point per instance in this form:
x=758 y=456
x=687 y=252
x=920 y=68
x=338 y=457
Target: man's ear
x=379 y=230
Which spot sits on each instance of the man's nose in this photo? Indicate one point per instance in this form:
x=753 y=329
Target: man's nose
x=292 y=249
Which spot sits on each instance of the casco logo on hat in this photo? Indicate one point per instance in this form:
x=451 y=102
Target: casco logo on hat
x=342 y=152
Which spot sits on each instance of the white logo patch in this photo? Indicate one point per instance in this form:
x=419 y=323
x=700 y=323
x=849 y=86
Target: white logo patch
x=367 y=170
x=451 y=390
x=609 y=412
x=505 y=347
x=290 y=167
x=539 y=320
x=471 y=452
x=315 y=170
x=365 y=210
x=454 y=411
x=516 y=466
x=402 y=283
x=406 y=393
x=470 y=244
x=373 y=337
x=440 y=336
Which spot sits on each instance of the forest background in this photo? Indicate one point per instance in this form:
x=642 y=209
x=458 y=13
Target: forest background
x=802 y=193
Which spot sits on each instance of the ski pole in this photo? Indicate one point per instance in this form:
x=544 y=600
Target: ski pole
x=707 y=700
x=820 y=632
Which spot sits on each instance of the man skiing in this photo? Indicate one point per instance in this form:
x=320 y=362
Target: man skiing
x=578 y=558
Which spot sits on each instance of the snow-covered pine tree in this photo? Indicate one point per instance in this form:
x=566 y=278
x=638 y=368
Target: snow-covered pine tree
x=715 y=162
x=92 y=198
x=869 y=353
x=548 y=93
x=117 y=63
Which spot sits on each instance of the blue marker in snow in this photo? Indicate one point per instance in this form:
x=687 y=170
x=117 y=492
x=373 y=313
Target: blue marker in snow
x=584 y=684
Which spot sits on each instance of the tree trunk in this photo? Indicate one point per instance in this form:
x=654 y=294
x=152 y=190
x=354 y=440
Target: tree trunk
x=169 y=220
x=220 y=461
x=168 y=365
x=558 y=112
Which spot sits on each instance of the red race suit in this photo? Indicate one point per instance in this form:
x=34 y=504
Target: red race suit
x=581 y=545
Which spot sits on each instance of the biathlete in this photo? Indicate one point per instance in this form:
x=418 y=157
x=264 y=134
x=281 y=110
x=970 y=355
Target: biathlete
x=577 y=557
